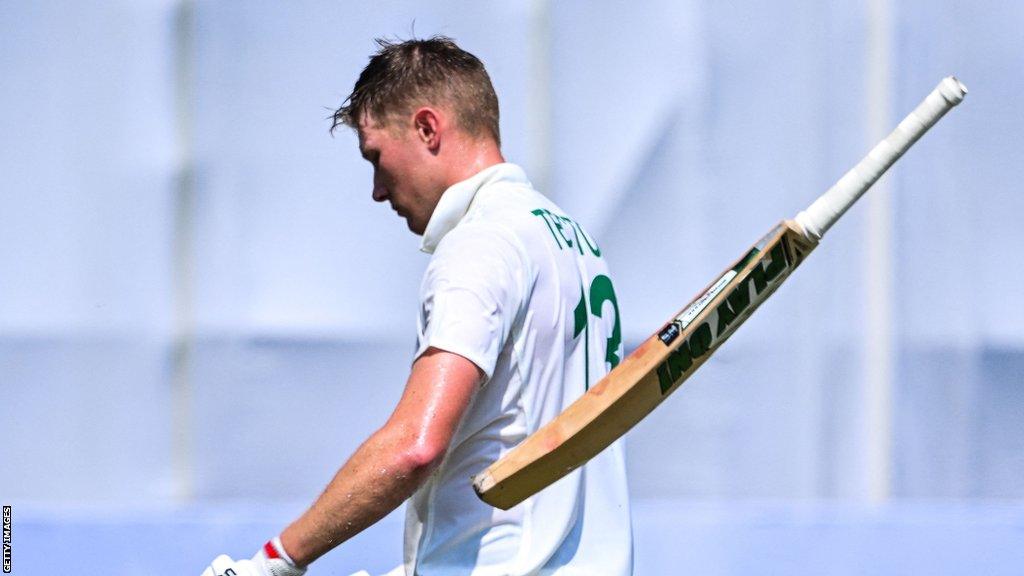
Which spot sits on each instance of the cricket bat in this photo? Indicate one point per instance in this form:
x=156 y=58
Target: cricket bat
x=662 y=362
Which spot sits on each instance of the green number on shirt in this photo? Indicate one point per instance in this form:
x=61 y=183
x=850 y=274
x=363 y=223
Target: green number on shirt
x=601 y=291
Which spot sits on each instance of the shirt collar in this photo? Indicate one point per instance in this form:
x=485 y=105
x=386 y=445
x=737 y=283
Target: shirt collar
x=455 y=201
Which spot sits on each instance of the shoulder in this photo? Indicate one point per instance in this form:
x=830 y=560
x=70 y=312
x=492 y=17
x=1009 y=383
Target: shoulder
x=480 y=249
x=479 y=253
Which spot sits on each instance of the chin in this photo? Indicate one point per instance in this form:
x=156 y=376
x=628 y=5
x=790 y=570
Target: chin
x=415 y=228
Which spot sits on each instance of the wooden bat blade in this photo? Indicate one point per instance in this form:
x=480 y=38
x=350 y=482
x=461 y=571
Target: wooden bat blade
x=666 y=359
x=647 y=376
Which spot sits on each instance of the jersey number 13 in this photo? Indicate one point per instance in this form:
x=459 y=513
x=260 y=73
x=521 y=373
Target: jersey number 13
x=601 y=291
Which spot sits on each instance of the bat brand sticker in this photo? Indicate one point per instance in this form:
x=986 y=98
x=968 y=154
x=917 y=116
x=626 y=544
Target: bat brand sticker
x=697 y=307
x=745 y=296
x=669 y=333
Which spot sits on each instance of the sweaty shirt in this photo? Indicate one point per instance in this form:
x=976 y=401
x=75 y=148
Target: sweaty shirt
x=522 y=291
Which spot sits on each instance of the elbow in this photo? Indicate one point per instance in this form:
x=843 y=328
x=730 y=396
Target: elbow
x=422 y=458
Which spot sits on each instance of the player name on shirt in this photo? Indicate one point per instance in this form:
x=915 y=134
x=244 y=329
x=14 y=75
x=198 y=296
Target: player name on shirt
x=557 y=225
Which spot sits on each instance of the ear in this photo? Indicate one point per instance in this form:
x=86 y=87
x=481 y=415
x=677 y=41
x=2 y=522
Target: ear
x=428 y=127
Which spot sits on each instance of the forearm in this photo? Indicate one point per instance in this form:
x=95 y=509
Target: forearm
x=393 y=462
x=382 y=474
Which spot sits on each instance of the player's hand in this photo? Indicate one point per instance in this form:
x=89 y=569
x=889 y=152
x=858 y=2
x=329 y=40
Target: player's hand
x=269 y=561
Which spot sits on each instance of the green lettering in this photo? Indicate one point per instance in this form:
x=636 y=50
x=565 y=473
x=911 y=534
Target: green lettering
x=679 y=361
x=601 y=291
x=590 y=242
x=575 y=231
x=757 y=275
x=725 y=316
x=700 y=340
x=556 y=220
x=664 y=379
x=580 y=315
x=545 y=215
x=740 y=298
x=778 y=263
x=557 y=226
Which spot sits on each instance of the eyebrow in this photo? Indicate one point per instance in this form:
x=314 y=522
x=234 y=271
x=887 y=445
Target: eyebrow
x=362 y=143
x=368 y=155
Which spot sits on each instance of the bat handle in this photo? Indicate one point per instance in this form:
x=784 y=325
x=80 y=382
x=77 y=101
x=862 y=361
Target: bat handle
x=823 y=213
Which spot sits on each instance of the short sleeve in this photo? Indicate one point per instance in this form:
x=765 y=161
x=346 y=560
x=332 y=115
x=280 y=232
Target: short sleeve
x=471 y=294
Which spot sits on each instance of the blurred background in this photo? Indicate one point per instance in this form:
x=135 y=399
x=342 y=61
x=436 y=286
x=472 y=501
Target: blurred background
x=203 y=313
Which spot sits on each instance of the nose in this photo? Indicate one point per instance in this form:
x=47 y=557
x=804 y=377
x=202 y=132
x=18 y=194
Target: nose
x=380 y=192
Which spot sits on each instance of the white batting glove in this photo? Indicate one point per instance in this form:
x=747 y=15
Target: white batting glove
x=272 y=560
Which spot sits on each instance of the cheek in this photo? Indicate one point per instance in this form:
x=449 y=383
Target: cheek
x=394 y=173
x=382 y=175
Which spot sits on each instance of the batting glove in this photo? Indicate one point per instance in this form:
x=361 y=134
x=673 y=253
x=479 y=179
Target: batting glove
x=270 y=561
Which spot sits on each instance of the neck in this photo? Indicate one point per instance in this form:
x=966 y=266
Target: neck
x=470 y=156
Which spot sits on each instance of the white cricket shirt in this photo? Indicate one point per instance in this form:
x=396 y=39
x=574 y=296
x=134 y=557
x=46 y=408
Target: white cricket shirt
x=518 y=288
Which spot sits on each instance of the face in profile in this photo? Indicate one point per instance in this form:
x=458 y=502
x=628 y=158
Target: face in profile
x=401 y=169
